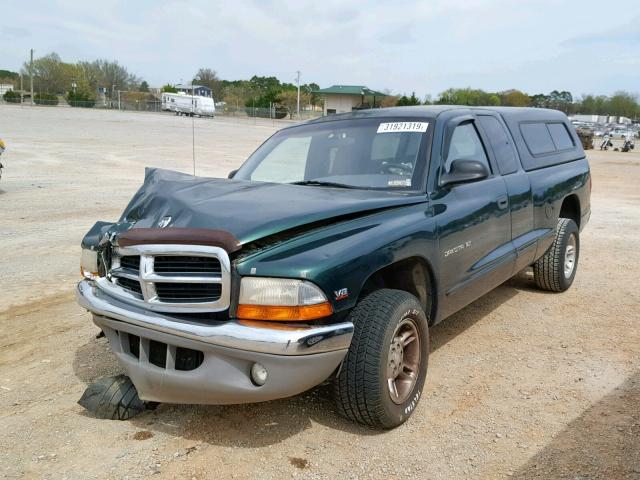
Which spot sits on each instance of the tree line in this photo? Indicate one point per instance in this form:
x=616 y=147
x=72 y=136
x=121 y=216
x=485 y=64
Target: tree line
x=79 y=83
x=621 y=103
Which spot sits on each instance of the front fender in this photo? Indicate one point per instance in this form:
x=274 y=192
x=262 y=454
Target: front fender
x=344 y=255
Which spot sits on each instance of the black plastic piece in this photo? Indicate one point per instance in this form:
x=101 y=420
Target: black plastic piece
x=112 y=398
x=134 y=345
x=158 y=353
x=187 y=359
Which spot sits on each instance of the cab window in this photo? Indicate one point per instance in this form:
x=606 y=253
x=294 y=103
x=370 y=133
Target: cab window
x=465 y=145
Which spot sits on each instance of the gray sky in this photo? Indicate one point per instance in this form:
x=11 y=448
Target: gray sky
x=584 y=46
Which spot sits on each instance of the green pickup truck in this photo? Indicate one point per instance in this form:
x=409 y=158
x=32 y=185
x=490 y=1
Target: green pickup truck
x=331 y=251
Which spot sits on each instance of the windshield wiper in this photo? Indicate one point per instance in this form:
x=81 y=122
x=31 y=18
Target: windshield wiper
x=321 y=183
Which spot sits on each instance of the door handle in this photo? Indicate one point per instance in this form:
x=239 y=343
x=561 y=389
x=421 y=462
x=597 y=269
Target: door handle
x=503 y=202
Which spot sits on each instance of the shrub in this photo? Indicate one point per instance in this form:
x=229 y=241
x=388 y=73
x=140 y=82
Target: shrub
x=168 y=88
x=45 y=99
x=266 y=112
x=11 y=97
x=81 y=99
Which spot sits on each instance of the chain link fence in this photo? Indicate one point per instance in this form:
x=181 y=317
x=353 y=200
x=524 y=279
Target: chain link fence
x=123 y=104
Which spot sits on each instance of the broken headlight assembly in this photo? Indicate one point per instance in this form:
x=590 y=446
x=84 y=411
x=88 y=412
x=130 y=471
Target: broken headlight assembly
x=89 y=264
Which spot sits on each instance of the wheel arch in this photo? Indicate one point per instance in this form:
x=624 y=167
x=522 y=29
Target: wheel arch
x=570 y=208
x=413 y=275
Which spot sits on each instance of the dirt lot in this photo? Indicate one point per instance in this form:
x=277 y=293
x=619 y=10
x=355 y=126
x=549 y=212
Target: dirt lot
x=522 y=384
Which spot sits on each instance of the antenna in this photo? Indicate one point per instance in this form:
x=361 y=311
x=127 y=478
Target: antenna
x=193 y=127
x=298 y=99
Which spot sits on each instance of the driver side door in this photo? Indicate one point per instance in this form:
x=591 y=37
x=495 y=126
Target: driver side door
x=474 y=226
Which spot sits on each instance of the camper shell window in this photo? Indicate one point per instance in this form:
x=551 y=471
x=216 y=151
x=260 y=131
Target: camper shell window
x=560 y=136
x=542 y=137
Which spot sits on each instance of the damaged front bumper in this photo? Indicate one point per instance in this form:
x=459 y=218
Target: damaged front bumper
x=151 y=347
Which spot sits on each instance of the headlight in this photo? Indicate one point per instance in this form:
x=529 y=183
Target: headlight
x=281 y=299
x=89 y=264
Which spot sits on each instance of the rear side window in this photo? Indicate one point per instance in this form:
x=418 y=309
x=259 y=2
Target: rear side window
x=501 y=144
x=560 y=136
x=537 y=138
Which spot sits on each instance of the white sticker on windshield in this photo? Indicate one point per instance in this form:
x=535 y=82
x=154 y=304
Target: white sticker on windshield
x=405 y=182
x=403 y=127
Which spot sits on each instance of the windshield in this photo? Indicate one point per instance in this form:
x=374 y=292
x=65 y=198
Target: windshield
x=384 y=153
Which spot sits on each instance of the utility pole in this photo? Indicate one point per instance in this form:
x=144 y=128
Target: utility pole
x=31 y=75
x=193 y=127
x=298 y=101
x=21 y=91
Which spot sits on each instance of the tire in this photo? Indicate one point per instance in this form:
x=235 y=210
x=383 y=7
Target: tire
x=556 y=269
x=112 y=398
x=362 y=388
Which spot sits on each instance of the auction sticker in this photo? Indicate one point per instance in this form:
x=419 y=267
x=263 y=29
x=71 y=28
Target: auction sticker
x=403 y=127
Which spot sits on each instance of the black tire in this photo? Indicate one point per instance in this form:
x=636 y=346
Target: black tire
x=361 y=389
x=113 y=398
x=549 y=270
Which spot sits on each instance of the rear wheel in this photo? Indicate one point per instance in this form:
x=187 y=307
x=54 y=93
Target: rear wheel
x=556 y=270
x=381 y=378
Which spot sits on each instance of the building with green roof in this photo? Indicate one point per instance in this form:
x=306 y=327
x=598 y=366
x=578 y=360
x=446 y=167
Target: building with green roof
x=346 y=98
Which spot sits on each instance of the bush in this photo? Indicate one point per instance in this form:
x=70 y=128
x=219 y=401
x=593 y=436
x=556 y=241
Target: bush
x=169 y=89
x=45 y=99
x=11 y=97
x=266 y=112
x=81 y=99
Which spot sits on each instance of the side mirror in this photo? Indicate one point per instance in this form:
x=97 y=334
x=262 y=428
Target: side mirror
x=464 y=171
x=232 y=173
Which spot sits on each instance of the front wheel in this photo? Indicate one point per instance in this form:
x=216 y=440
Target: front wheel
x=556 y=269
x=381 y=378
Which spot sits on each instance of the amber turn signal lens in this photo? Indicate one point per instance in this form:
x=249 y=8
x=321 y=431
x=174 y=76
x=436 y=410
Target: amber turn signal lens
x=299 y=313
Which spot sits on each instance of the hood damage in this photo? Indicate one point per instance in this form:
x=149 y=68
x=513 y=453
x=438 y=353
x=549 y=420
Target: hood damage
x=173 y=207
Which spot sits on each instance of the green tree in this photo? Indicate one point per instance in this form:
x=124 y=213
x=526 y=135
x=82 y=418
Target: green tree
x=8 y=74
x=560 y=100
x=514 y=98
x=45 y=99
x=405 y=101
x=593 y=105
x=51 y=74
x=289 y=100
x=539 y=100
x=81 y=98
x=234 y=95
x=468 y=96
x=12 y=78
x=623 y=104
x=168 y=88
x=144 y=86
x=208 y=77
x=11 y=97
x=314 y=98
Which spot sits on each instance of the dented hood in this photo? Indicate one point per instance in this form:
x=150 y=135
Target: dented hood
x=247 y=210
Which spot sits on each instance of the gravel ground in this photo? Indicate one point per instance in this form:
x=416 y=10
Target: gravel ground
x=521 y=384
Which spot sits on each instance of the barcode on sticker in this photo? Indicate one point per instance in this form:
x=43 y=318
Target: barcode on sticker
x=403 y=127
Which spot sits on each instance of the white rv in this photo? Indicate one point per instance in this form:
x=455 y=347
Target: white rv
x=183 y=104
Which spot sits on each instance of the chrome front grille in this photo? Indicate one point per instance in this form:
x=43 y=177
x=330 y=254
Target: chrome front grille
x=170 y=278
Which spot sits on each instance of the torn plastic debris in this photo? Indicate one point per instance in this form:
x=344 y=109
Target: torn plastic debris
x=113 y=398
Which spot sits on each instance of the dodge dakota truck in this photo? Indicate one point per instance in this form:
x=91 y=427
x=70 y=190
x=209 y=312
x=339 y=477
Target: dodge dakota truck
x=328 y=255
